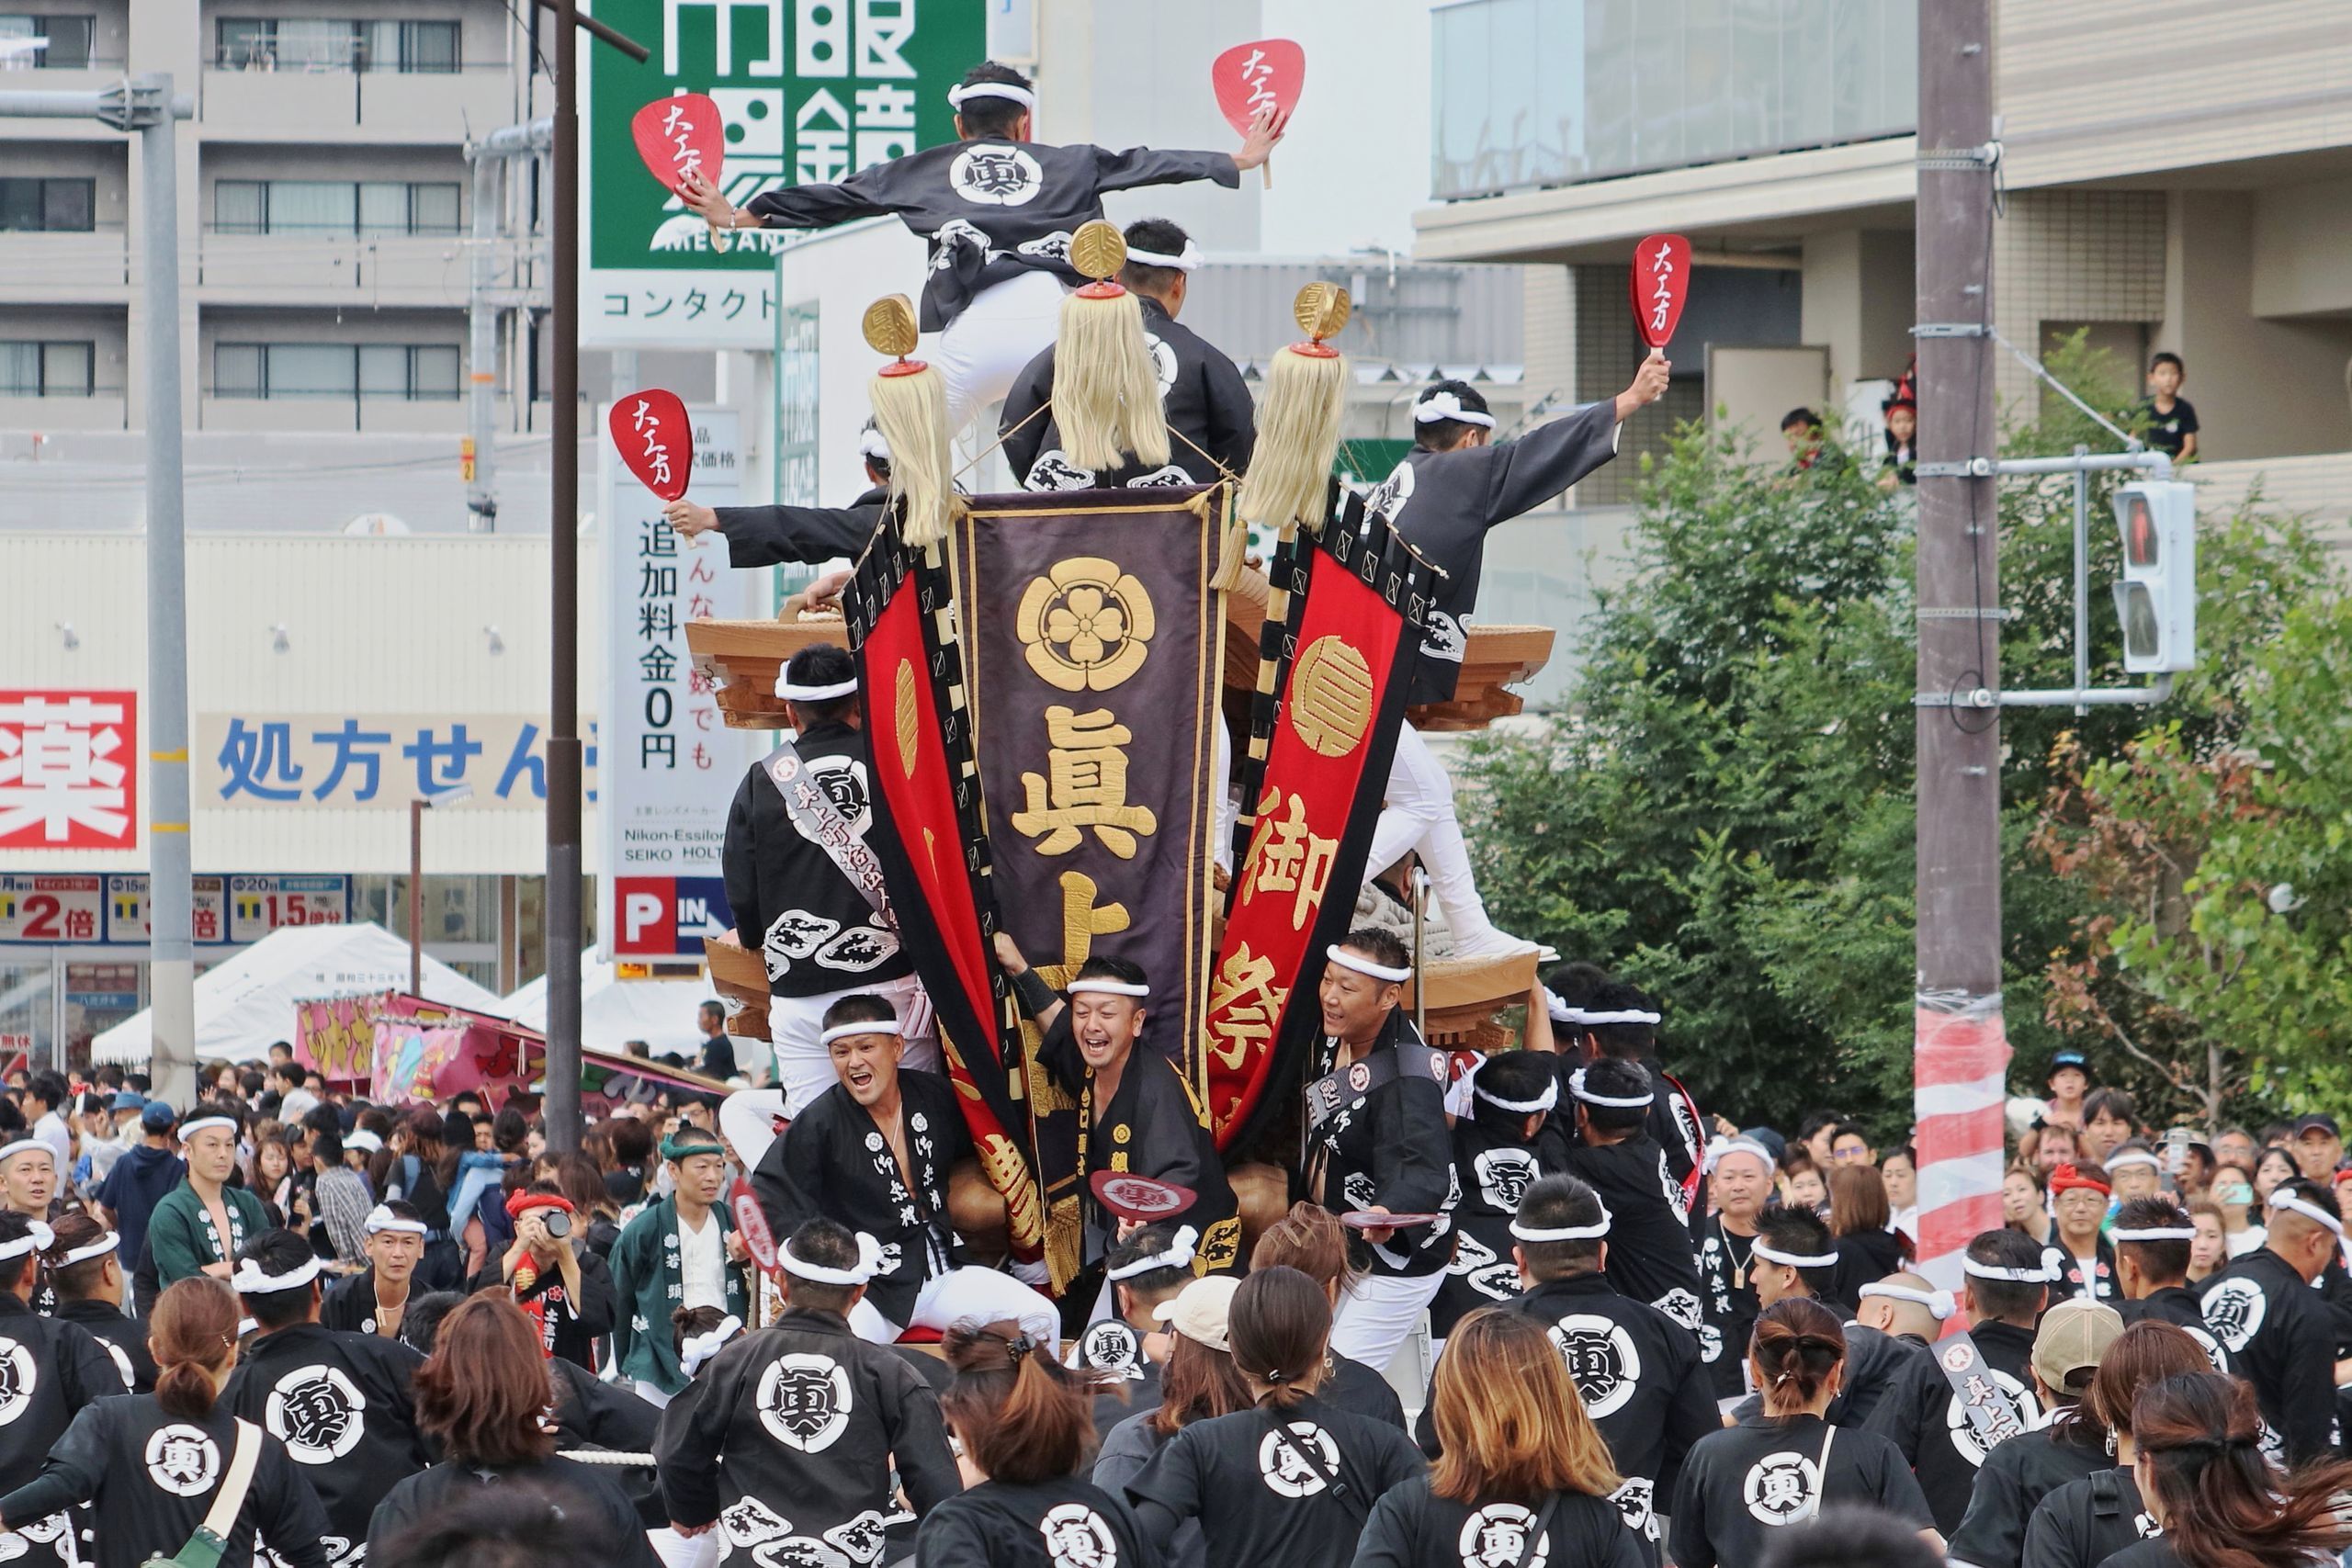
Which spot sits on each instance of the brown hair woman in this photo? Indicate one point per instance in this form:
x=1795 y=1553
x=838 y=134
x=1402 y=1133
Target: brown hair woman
x=1311 y=1241
x=2086 y=1521
x=2196 y=1455
x=1199 y=1382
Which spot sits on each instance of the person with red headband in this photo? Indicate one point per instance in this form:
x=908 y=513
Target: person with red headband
x=568 y=1291
x=2079 y=1196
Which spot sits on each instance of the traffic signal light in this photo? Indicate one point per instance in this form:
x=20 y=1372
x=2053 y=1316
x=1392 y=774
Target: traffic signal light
x=2156 y=601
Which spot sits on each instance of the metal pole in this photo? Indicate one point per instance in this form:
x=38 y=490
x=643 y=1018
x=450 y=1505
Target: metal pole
x=2082 y=580
x=416 y=897
x=170 y=881
x=1961 y=1050
x=481 y=420
x=564 y=923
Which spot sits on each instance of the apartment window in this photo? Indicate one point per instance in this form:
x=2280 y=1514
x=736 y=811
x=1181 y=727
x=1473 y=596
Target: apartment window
x=309 y=43
x=67 y=47
x=46 y=370
x=407 y=372
x=334 y=207
x=55 y=206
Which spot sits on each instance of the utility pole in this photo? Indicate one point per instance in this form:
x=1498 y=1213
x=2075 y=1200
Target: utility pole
x=1961 y=1054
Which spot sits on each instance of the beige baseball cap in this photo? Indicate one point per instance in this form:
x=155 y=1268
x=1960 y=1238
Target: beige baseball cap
x=1198 y=1311
x=2072 y=1337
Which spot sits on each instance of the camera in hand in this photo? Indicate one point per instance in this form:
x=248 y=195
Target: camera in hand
x=557 y=1223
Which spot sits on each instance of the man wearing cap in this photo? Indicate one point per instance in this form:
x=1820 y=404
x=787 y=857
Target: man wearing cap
x=200 y=1224
x=2278 y=1332
x=1144 y=1272
x=1922 y=1412
x=2019 y=1473
x=871 y=1154
x=2070 y=1079
x=139 y=1180
x=1740 y=1178
x=2152 y=1237
x=1649 y=1252
x=2318 y=1147
x=806 y=1417
x=374 y=1299
x=1377 y=1143
x=1136 y=1114
x=565 y=1288
x=806 y=888
x=997 y=212
x=680 y=1252
x=1455 y=485
x=1211 y=420
x=339 y=1402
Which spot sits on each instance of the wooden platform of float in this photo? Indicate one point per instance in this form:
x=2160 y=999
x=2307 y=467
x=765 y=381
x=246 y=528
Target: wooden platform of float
x=740 y=978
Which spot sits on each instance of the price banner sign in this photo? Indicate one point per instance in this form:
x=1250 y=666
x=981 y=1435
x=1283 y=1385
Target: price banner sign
x=38 y=911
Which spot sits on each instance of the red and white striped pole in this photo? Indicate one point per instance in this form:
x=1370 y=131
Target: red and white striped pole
x=1959 y=1097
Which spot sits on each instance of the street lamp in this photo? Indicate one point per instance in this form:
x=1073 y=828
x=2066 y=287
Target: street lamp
x=416 y=810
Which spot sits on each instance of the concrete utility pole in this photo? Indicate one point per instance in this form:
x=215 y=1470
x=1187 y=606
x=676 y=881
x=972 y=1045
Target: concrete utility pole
x=492 y=157
x=1961 y=1054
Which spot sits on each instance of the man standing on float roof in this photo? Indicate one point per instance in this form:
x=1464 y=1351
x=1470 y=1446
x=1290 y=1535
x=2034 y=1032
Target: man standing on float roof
x=1457 y=483
x=999 y=211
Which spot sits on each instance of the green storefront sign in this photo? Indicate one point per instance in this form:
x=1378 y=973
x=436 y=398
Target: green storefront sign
x=810 y=91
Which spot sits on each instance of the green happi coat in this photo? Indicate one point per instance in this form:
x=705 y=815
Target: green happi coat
x=650 y=1286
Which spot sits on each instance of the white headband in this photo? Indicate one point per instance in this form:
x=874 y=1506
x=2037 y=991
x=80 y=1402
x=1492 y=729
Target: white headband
x=2133 y=1157
x=869 y=1263
x=366 y=1143
x=2156 y=1233
x=1544 y=1102
x=1108 y=988
x=1794 y=1260
x=381 y=1219
x=190 y=1128
x=2041 y=1275
x=24 y=1145
x=1005 y=90
x=1939 y=1303
x=872 y=445
x=834 y=693
x=1593 y=1232
x=98 y=1249
x=1445 y=405
x=1721 y=1149
x=1623 y=1101
x=703 y=1346
x=2311 y=1211
x=1347 y=959
x=1185 y=261
x=249 y=1281
x=40 y=1238
x=1178 y=1255
x=1624 y=1015
x=862 y=1026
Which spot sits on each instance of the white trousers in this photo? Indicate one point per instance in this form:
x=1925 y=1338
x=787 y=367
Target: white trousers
x=1377 y=1314
x=1419 y=816
x=1006 y=325
x=804 y=1070
x=677 y=1551
x=967 y=1295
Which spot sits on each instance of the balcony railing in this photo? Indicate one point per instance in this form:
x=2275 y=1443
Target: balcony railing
x=1531 y=93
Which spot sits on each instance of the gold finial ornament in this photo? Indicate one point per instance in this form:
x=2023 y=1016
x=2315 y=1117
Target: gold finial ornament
x=1322 y=310
x=889 y=326
x=1098 y=250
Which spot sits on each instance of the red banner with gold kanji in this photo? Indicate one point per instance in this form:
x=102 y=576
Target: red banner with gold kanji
x=1319 y=753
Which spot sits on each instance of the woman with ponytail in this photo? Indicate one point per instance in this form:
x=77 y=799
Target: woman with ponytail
x=1292 y=1479
x=1024 y=1426
x=154 y=1464
x=53 y=1370
x=2197 y=1456
x=2085 y=1522
x=1781 y=1466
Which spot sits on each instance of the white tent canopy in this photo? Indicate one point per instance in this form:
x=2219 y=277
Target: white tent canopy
x=244 y=1004
x=614 y=1011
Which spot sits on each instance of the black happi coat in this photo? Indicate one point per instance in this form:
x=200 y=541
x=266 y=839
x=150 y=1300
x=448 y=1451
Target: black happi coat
x=48 y=1371
x=809 y=1418
x=1263 y=1501
x=350 y=1304
x=341 y=1404
x=152 y=1478
x=1727 y=1306
x=2016 y=1476
x=1067 y=1523
x=2096 y=1284
x=799 y=536
x=991 y=209
x=593 y=1503
x=2281 y=1338
x=1390 y=1146
x=1745 y=1481
x=1211 y=420
x=1414 y=1527
x=835 y=1162
x=792 y=905
x=1649 y=1243
x=593 y=1413
x=1876 y=1365
x=1493 y=1168
x=124 y=1339
x=2178 y=1305
x=1926 y=1422
x=1154 y=1126
x=1349 y=1385
x=2086 y=1522
x=567 y=1328
x=1865 y=1258
x=1444 y=503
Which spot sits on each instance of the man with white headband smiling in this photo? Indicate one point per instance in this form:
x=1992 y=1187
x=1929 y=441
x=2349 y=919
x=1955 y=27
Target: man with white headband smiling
x=804 y=885
x=1212 y=424
x=373 y=1300
x=997 y=212
x=1377 y=1143
x=2277 y=1330
x=200 y=1223
x=1739 y=1176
